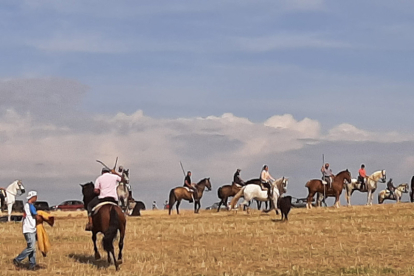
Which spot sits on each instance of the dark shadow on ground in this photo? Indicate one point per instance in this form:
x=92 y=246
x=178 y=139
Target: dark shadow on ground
x=84 y=259
x=12 y=218
x=279 y=220
x=25 y=266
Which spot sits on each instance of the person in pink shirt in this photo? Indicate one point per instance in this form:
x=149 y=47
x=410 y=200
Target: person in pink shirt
x=361 y=177
x=105 y=189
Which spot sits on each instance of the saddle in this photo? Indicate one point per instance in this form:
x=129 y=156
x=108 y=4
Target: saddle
x=97 y=207
x=324 y=182
x=237 y=185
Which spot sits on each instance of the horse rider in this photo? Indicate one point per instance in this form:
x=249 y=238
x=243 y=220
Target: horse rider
x=121 y=171
x=327 y=174
x=237 y=179
x=265 y=181
x=362 y=174
x=105 y=188
x=190 y=186
x=390 y=187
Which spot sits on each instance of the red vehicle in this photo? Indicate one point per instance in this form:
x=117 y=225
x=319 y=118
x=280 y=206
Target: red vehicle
x=69 y=205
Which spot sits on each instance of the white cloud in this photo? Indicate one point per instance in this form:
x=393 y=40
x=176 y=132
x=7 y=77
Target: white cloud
x=283 y=41
x=57 y=154
x=348 y=132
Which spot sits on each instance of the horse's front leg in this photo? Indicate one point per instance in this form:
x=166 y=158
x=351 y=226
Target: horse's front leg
x=95 y=248
x=9 y=211
x=337 y=203
x=348 y=197
x=368 y=197
x=310 y=197
x=195 y=206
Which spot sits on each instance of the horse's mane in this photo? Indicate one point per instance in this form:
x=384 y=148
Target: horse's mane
x=344 y=171
x=202 y=180
x=253 y=181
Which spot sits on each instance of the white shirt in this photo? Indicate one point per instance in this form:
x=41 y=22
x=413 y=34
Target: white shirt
x=107 y=183
x=29 y=219
x=266 y=176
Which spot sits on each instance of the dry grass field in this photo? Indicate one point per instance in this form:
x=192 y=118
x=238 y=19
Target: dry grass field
x=359 y=240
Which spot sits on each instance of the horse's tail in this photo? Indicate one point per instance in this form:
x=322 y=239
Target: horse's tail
x=237 y=197
x=110 y=233
x=173 y=199
x=219 y=193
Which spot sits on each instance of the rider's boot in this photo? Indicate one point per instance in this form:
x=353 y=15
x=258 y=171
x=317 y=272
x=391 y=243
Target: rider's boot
x=89 y=226
x=192 y=198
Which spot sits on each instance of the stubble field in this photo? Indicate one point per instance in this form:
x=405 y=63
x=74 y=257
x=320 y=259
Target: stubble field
x=358 y=240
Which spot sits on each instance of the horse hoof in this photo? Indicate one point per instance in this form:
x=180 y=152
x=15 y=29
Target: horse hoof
x=119 y=262
x=97 y=256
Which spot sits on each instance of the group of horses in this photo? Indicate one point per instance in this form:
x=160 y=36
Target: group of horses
x=110 y=219
x=343 y=181
x=252 y=191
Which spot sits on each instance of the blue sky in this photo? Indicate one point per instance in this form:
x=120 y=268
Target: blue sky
x=79 y=72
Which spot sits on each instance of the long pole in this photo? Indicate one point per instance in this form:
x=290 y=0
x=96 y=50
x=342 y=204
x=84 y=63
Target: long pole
x=182 y=168
x=116 y=162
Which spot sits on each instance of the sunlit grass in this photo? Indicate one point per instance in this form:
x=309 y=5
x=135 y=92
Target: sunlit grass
x=358 y=240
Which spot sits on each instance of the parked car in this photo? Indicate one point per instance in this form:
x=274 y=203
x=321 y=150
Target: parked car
x=69 y=205
x=41 y=206
x=301 y=202
x=215 y=206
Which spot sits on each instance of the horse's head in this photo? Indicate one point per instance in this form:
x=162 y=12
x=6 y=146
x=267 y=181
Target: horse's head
x=208 y=184
x=383 y=176
x=87 y=192
x=403 y=188
x=20 y=186
x=284 y=184
x=281 y=184
x=126 y=176
x=346 y=174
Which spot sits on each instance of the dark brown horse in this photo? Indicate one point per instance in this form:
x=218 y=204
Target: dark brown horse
x=226 y=191
x=335 y=189
x=108 y=220
x=180 y=193
x=412 y=190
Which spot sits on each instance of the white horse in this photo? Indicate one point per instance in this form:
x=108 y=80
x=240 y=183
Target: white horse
x=386 y=194
x=370 y=186
x=122 y=191
x=254 y=191
x=11 y=192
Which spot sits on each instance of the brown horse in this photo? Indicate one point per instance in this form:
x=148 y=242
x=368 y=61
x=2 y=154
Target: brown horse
x=335 y=189
x=108 y=220
x=180 y=193
x=226 y=191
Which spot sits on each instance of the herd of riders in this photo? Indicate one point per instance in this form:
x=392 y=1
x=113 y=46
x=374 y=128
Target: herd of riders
x=106 y=184
x=327 y=176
